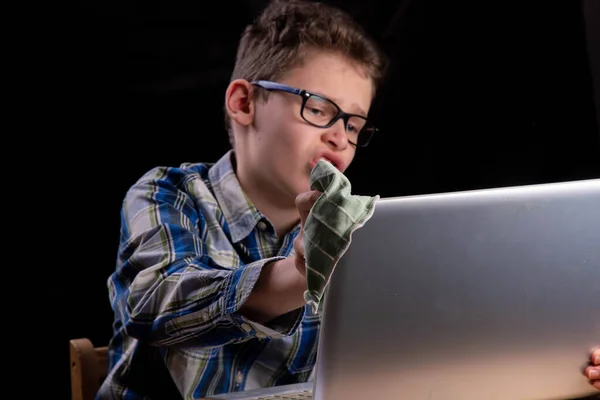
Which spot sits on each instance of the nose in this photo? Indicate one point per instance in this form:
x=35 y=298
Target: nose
x=335 y=135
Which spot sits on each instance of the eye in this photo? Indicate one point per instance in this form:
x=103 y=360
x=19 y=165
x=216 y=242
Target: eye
x=315 y=111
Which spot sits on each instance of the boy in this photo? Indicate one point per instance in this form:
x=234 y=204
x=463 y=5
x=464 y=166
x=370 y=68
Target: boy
x=208 y=290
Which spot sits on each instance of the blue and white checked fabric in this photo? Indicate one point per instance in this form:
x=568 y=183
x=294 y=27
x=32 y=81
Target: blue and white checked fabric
x=191 y=249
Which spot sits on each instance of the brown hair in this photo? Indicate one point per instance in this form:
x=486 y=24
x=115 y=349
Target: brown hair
x=280 y=37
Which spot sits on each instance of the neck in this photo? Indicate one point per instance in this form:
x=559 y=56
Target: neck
x=275 y=205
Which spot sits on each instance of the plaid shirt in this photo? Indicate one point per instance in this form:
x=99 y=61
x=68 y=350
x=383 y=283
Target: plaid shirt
x=191 y=249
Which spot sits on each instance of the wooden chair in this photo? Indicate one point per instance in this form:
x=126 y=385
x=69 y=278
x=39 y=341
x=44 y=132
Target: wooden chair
x=89 y=367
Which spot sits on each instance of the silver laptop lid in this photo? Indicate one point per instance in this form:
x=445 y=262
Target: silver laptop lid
x=489 y=294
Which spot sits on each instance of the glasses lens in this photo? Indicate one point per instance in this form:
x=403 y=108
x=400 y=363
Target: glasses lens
x=355 y=128
x=319 y=111
x=365 y=136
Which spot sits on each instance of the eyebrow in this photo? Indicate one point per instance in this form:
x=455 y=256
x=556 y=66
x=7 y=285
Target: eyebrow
x=354 y=108
x=359 y=110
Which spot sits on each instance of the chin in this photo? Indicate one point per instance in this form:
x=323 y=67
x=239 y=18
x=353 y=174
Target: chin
x=299 y=190
x=299 y=185
x=305 y=187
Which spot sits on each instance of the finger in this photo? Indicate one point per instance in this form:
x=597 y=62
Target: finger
x=299 y=245
x=596 y=357
x=299 y=259
x=304 y=202
x=593 y=373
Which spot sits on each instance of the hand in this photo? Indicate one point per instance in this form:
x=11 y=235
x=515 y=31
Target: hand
x=304 y=203
x=593 y=371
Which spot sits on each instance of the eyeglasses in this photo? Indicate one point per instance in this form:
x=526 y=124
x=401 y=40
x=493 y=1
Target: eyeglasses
x=321 y=112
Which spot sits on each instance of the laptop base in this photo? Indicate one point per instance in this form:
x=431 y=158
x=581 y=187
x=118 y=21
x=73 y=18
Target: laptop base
x=298 y=391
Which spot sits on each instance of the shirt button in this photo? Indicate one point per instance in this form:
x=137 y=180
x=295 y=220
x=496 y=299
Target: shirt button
x=262 y=226
x=239 y=377
x=246 y=327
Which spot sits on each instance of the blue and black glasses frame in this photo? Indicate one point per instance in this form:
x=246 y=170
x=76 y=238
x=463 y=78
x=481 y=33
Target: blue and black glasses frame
x=358 y=129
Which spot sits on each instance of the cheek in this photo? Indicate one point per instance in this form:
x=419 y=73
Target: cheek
x=294 y=139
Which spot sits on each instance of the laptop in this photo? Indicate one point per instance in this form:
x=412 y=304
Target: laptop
x=485 y=294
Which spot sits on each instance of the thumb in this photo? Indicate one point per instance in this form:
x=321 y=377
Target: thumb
x=304 y=202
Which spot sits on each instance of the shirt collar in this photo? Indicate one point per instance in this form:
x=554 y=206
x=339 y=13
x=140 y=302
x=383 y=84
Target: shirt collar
x=239 y=212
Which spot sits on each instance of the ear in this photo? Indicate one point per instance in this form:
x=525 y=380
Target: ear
x=239 y=103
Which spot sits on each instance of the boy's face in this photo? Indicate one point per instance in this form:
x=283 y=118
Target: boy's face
x=281 y=148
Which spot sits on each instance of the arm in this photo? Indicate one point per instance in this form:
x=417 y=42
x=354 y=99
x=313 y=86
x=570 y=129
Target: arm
x=168 y=291
x=279 y=290
x=281 y=285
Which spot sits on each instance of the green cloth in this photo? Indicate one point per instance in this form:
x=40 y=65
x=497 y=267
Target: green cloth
x=329 y=226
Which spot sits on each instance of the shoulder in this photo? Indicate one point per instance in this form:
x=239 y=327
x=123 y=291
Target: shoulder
x=176 y=176
x=185 y=182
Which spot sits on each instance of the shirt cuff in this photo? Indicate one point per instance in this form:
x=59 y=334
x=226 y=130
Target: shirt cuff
x=237 y=290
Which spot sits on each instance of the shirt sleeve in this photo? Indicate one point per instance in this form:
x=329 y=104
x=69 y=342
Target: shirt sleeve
x=166 y=290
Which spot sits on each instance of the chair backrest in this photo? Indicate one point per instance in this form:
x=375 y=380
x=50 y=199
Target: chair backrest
x=89 y=367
